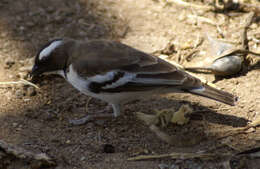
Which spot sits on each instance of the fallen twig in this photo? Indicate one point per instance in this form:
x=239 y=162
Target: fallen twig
x=40 y=159
x=183 y=156
x=88 y=101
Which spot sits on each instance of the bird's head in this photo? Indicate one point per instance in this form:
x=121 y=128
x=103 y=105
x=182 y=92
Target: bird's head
x=51 y=58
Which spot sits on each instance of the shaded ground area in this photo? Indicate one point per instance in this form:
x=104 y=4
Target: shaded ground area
x=38 y=120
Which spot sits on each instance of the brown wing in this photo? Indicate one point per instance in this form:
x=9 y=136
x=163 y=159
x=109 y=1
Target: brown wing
x=100 y=56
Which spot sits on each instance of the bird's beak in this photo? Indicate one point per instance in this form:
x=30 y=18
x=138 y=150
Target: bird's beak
x=35 y=71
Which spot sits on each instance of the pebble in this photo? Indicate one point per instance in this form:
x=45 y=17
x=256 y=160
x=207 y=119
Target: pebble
x=163 y=166
x=31 y=91
x=228 y=65
x=9 y=62
x=22 y=28
x=10 y=76
x=15 y=124
x=82 y=158
x=108 y=148
x=30 y=24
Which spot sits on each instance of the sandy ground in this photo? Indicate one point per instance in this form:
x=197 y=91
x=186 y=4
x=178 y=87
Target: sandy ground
x=37 y=120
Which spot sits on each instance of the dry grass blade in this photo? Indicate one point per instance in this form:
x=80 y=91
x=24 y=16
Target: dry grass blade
x=88 y=101
x=247 y=23
x=29 y=83
x=147 y=157
x=203 y=19
x=147 y=118
x=22 y=81
x=183 y=156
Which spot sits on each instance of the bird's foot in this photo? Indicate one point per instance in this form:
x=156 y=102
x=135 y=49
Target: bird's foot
x=101 y=115
x=88 y=118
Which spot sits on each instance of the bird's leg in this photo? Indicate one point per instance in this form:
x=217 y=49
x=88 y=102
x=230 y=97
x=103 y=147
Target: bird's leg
x=116 y=109
x=103 y=114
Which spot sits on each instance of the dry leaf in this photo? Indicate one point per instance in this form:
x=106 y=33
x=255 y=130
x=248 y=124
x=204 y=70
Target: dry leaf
x=179 y=116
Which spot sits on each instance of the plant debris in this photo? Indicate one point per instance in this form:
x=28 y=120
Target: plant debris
x=37 y=160
x=228 y=61
x=166 y=116
x=21 y=81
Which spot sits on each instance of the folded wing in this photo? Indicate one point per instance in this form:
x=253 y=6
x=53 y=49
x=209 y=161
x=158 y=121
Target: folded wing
x=114 y=67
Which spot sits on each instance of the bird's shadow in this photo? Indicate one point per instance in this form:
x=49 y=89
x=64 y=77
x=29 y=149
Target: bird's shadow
x=200 y=112
x=213 y=116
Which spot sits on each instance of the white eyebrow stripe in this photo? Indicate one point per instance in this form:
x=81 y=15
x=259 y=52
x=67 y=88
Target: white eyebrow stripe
x=46 y=51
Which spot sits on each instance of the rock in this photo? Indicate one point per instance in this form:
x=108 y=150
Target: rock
x=82 y=158
x=31 y=91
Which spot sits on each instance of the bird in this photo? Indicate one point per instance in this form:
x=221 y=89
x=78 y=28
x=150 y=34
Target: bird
x=117 y=73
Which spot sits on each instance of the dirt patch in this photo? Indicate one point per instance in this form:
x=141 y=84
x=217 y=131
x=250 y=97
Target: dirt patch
x=38 y=120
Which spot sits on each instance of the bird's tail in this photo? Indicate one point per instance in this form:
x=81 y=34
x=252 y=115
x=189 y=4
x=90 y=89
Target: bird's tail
x=215 y=94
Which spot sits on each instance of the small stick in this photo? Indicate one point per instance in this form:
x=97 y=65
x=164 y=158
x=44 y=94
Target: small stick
x=247 y=23
x=147 y=157
x=41 y=159
x=88 y=101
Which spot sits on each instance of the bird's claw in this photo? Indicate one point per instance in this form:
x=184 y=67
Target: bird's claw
x=81 y=121
x=97 y=118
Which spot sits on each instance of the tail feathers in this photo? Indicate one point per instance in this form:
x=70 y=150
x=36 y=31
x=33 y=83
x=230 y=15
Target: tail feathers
x=215 y=94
